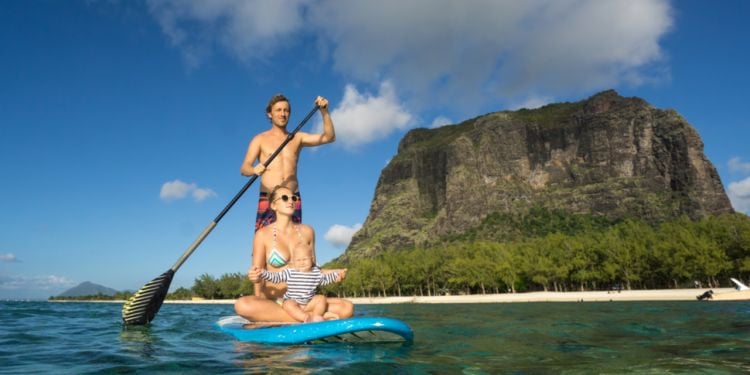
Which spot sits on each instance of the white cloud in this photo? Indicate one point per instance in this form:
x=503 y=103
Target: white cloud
x=247 y=29
x=739 y=195
x=34 y=283
x=201 y=194
x=440 y=48
x=737 y=165
x=361 y=118
x=174 y=190
x=8 y=257
x=441 y=52
x=341 y=235
x=440 y=121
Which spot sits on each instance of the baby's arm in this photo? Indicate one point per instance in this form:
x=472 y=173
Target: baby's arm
x=341 y=273
x=275 y=277
x=332 y=277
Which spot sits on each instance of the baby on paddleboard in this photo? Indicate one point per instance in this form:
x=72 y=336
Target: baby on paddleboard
x=302 y=280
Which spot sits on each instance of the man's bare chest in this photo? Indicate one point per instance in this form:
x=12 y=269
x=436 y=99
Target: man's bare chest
x=289 y=152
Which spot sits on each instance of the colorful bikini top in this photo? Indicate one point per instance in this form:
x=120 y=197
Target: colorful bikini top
x=275 y=258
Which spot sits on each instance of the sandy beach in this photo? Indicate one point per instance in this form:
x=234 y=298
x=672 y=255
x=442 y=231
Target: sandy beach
x=593 y=296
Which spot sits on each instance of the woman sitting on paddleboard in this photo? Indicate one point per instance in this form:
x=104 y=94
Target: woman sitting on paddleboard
x=272 y=249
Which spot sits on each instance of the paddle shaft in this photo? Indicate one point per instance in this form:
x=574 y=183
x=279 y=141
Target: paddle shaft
x=239 y=194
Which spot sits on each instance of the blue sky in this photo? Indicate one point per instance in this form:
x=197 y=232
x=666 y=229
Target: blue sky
x=123 y=123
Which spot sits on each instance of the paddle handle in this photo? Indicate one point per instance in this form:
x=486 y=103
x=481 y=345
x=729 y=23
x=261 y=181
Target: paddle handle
x=239 y=194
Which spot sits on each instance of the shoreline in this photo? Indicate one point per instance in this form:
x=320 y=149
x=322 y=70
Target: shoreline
x=588 y=296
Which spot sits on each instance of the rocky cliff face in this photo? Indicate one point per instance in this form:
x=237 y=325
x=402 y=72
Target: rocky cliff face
x=608 y=155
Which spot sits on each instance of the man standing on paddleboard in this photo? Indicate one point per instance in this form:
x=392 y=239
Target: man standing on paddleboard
x=283 y=169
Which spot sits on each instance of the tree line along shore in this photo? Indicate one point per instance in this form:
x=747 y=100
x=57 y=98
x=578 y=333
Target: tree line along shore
x=548 y=252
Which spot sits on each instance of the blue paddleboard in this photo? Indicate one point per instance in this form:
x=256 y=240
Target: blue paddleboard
x=364 y=329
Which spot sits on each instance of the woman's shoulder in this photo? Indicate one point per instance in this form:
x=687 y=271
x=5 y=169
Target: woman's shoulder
x=265 y=232
x=306 y=229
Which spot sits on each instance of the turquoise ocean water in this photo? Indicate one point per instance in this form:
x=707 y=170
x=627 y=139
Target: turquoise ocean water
x=522 y=338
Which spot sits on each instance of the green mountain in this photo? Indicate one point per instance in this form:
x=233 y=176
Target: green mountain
x=601 y=160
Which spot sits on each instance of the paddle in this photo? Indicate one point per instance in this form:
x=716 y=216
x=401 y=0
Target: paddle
x=142 y=307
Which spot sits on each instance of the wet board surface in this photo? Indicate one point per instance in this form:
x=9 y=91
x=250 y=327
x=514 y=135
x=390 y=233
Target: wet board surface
x=352 y=330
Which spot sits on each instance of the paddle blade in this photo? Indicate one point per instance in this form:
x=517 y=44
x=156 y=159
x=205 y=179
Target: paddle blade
x=145 y=303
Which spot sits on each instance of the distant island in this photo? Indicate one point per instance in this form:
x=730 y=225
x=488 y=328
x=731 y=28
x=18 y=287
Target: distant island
x=87 y=290
x=229 y=286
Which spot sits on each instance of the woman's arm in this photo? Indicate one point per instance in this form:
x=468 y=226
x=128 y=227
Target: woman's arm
x=309 y=234
x=259 y=260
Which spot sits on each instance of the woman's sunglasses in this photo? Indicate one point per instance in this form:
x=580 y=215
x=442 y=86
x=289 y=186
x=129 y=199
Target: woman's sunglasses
x=286 y=198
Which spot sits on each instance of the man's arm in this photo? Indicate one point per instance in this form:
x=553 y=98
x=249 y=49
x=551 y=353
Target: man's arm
x=328 y=135
x=253 y=153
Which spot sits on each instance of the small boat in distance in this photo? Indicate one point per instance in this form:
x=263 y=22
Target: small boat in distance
x=739 y=285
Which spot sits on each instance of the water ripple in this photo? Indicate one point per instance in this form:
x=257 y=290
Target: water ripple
x=528 y=338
